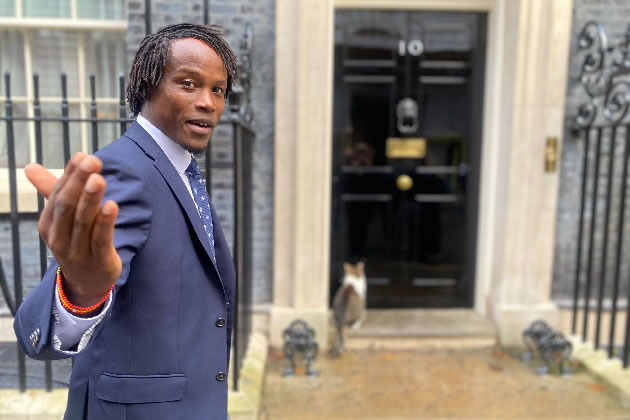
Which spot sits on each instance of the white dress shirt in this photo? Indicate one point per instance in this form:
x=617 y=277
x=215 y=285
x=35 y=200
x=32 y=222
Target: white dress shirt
x=70 y=330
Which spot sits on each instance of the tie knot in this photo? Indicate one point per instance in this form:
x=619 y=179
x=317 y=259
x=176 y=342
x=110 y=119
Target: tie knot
x=193 y=168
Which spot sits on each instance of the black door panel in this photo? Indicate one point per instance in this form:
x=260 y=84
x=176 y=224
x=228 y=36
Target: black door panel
x=407 y=139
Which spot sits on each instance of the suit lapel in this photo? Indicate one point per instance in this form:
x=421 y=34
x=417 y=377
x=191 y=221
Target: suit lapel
x=174 y=181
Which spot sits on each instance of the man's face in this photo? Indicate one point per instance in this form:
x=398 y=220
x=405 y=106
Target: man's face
x=190 y=98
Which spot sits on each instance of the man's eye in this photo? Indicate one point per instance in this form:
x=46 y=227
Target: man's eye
x=219 y=90
x=188 y=84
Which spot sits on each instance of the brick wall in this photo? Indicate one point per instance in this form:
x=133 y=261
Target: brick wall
x=232 y=15
x=29 y=254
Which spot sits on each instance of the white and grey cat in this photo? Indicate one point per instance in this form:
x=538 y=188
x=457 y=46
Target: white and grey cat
x=349 y=304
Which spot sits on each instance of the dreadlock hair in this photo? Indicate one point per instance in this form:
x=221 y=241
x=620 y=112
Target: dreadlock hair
x=148 y=65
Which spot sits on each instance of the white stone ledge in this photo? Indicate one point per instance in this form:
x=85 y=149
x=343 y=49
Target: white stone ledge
x=33 y=404
x=26 y=193
x=610 y=371
x=244 y=404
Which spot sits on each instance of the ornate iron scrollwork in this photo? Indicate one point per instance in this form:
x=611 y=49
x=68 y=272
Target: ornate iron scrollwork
x=300 y=338
x=605 y=75
x=240 y=98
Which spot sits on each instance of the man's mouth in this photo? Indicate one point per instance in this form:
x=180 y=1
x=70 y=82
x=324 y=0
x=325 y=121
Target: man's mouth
x=201 y=123
x=201 y=127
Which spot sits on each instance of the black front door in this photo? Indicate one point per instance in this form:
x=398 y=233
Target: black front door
x=407 y=142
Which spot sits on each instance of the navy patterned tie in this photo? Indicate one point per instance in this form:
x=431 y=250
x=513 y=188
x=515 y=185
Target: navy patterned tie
x=198 y=186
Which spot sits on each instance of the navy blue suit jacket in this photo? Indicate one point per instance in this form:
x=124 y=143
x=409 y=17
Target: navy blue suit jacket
x=160 y=351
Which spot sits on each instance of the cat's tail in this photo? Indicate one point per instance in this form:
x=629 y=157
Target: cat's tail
x=340 y=305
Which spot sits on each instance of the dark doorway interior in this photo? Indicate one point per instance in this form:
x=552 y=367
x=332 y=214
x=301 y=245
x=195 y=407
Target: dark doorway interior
x=407 y=142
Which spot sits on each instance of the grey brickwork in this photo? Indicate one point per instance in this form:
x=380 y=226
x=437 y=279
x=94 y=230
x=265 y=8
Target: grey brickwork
x=232 y=15
x=29 y=254
x=614 y=15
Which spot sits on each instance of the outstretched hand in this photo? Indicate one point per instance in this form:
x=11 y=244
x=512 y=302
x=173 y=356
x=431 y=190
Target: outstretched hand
x=77 y=229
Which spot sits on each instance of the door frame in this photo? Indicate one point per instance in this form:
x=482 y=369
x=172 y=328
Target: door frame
x=303 y=154
x=526 y=40
x=490 y=136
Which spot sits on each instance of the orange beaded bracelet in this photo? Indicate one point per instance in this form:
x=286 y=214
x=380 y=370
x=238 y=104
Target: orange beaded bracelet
x=82 y=310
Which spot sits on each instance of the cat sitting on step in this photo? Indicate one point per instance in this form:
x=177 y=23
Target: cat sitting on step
x=349 y=304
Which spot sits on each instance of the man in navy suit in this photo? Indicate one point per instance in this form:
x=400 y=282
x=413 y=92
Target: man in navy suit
x=142 y=284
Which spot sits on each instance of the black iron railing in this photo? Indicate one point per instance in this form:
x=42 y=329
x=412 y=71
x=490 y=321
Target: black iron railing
x=242 y=137
x=603 y=128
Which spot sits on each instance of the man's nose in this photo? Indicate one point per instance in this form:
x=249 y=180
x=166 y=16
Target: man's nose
x=206 y=101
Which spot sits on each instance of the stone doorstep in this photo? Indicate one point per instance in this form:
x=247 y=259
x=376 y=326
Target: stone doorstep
x=242 y=405
x=421 y=330
x=420 y=343
x=447 y=323
x=610 y=371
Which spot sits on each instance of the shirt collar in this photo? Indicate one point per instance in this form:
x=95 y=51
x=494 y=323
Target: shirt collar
x=179 y=157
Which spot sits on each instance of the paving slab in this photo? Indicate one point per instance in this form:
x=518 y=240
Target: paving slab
x=434 y=385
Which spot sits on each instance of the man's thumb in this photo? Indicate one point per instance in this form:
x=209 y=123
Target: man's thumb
x=41 y=178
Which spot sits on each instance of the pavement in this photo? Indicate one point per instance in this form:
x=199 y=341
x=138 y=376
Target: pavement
x=392 y=370
x=473 y=384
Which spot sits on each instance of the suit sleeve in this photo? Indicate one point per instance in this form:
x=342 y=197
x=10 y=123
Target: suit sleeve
x=34 y=320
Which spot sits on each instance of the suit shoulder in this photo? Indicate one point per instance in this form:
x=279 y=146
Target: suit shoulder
x=122 y=147
x=124 y=155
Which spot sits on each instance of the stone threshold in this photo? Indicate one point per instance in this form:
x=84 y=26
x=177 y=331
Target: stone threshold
x=424 y=323
x=422 y=330
x=610 y=371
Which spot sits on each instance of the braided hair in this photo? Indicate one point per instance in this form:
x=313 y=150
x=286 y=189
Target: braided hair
x=148 y=65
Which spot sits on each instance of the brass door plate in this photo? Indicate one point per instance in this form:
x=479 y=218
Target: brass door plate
x=406 y=148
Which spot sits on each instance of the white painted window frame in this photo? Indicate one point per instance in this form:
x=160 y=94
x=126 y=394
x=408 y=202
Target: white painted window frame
x=24 y=24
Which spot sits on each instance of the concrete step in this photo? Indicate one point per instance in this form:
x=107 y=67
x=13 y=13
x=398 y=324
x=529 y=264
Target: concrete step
x=420 y=329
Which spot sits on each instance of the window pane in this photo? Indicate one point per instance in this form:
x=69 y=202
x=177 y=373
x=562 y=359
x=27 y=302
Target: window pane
x=55 y=52
x=52 y=135
x=7 y=7
x=20 y=138
x=47 y=8
x=12 y=60
x=105 y=57
x=101 y=9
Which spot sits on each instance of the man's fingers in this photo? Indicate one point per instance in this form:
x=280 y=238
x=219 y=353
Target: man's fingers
x=44 y=181
x=70 y=168
x=65 y=200
x=102 y=242
x=41 y=178
x=88 y=208
x=39 y=175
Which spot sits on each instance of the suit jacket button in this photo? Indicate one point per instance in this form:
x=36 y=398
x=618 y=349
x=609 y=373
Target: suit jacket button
x=220 y=322
x=221 y=376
